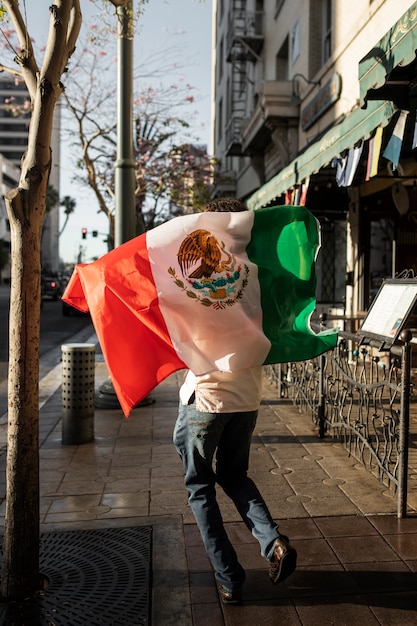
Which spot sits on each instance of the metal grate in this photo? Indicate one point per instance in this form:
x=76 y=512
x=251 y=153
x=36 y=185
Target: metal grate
x=96 y=577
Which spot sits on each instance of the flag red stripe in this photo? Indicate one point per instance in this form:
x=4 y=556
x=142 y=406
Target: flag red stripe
x=122 y=338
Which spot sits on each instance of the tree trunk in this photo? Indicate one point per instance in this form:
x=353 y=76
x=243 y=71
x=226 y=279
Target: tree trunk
x=20 y=568
x=26 y=209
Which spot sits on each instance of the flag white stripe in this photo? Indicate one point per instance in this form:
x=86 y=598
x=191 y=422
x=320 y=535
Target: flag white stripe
x=193 y=328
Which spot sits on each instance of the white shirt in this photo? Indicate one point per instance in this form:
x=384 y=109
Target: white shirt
x=224 y=392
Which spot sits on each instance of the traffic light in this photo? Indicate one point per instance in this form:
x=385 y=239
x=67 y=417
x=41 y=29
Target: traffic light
x=84 y=233
x=95 y=233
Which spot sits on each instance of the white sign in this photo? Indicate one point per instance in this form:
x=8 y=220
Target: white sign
x=390 y=309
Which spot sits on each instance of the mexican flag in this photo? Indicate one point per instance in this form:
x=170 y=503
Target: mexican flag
x=208 y=291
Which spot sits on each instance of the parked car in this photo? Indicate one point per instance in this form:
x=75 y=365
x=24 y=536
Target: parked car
x=51 y=287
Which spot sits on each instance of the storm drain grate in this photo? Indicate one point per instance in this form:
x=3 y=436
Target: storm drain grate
x=96 y=577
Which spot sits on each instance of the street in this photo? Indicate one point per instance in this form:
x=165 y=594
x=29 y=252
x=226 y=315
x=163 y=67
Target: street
x=55 y=328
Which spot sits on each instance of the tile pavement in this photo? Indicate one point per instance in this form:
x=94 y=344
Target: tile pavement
x=357 y=560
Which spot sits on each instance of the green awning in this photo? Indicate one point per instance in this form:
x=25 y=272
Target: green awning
x=356 y=126
x=396 y=49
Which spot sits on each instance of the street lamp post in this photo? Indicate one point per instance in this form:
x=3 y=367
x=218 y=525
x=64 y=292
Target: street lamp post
x=125 y=164
x=124 y=184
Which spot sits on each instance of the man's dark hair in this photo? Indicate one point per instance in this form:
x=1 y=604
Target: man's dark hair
x=224 y=205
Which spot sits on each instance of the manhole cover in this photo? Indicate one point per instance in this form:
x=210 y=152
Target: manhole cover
x=96 y=577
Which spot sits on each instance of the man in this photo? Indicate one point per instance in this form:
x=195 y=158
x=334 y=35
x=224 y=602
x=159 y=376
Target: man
x=217 y=416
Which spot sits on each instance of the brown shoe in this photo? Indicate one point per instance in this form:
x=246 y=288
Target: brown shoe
x=283 y=561
x=229 y=597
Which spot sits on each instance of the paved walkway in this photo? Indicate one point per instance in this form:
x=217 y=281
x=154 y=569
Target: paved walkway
x=357 y=561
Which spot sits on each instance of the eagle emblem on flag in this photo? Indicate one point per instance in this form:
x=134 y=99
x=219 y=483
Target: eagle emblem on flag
x=211 y=274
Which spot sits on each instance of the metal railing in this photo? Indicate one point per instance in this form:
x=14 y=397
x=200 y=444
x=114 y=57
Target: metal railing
x=359 y=394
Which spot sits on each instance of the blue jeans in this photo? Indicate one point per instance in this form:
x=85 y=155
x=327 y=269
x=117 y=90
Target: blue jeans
x=198 y=437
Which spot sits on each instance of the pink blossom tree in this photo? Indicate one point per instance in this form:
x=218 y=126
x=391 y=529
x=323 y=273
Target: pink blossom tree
x=163 y=122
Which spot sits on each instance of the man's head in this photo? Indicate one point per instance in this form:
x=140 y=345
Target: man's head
x=225 y=205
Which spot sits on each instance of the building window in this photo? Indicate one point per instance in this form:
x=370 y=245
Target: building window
x=295 y=42
x=321 y=35
x=278 y=6
x=281 y=62
x=326 y=29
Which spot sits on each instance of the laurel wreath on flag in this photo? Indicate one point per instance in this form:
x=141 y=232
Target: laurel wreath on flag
x=213 y=285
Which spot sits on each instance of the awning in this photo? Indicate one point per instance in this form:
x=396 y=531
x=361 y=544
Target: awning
x=356 y=126
x=396 y=49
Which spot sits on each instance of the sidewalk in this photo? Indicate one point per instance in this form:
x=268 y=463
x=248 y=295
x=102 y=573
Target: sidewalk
x=357 y=562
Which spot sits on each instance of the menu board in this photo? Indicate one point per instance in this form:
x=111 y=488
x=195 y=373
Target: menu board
x=390 y=309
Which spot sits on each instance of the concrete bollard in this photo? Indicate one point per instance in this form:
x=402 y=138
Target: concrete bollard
x=78 y=370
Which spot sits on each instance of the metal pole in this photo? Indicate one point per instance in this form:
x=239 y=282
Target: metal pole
x=124 y=183
x=279 y=382
x=78 y=371
x=320 y=408
x=404 y=424
x=322 y=365
x=125 y=163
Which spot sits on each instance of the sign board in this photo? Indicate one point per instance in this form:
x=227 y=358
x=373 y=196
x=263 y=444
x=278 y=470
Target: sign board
x=390 y=310
x=326 y=97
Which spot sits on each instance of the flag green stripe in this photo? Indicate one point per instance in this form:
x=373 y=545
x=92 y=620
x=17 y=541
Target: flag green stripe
x=283 y=245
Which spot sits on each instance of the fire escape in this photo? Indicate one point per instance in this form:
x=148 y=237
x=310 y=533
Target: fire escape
x=245 y=39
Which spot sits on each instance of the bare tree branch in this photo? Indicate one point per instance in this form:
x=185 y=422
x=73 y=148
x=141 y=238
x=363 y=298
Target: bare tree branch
x=60 y=37
x=26 y=57
x=10 y=70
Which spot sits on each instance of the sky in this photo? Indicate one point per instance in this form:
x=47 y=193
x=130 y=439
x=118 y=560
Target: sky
x=183 y=23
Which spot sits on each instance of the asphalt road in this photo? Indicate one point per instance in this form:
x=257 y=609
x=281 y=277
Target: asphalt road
x=56 y=328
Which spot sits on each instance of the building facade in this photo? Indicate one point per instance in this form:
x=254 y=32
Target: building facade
x=306 y=96
x=14 y=125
